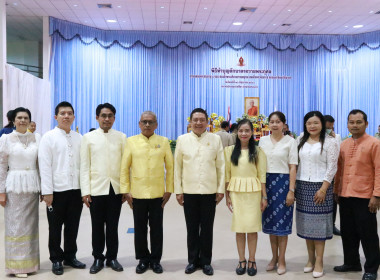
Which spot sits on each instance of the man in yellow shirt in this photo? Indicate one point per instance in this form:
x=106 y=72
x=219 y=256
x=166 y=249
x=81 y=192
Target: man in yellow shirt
x=199 y=185
x=100 y=154
x=142 y=177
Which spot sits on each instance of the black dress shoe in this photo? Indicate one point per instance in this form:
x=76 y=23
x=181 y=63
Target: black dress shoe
x=115 y=265
x=369 y=276
x=336 y=231
x=156 y=267
x=57 y=268
x=252 y=271
x=142 y=267
x=208 y=270
x=190 y=268
x=240 y=270
x=346 y=268
x=74 y=263
x=97 y=266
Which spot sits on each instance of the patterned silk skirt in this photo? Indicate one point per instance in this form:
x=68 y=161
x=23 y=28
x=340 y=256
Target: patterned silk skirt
x=277 y=217
x=21 y=233
x=314 y=221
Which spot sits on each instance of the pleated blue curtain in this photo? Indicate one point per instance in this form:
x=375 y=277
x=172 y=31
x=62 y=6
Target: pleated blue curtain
x=135 y=77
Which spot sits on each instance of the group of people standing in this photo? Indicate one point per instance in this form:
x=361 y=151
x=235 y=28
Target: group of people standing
x=104 y=168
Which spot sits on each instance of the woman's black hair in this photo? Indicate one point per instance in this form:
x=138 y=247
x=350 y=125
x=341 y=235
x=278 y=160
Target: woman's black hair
x=280 y=115
x=10 y=119
x=21 y=109
x=251 y=145
x=306 y=134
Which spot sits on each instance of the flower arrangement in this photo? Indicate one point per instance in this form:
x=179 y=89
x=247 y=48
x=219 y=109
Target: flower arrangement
x=215 y=122
x=260 y=124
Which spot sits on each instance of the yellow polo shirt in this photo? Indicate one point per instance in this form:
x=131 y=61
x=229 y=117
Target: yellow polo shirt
x=143 y=167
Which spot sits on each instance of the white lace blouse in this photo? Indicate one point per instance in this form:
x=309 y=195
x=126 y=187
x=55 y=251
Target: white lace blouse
x=18 y=163
x=315 y=166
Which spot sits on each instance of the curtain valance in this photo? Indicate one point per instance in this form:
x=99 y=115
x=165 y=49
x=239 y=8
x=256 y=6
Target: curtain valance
x=127 y=39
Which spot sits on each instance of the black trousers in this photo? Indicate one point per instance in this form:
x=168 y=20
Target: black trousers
x=199 y=215
x=105 y=212
x=144 y=211
x=359 y=225
x=67 y=209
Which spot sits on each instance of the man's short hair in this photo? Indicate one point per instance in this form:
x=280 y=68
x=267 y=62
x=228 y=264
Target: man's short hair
x=233 y=126
x=355 y=111
x=149 y=113
x=329 y=118
x=198 y=110
x=224 y=124
x=63 y=104
x=105 y=105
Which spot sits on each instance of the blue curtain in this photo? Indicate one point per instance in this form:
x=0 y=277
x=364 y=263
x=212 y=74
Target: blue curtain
x=91 y=66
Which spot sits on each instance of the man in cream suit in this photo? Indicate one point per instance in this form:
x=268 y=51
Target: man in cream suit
x=101 y=152
x=199 y=185
x=145 y=159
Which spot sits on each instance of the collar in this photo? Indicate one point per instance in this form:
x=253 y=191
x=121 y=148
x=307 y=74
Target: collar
x=63 y=131
x=102 y=131
x=199 y=137
x=146 y=138
x=360 y=139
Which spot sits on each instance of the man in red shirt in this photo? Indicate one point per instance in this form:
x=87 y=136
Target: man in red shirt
x=357 y=184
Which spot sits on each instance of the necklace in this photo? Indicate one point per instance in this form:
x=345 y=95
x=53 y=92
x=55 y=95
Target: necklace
x=24 y=145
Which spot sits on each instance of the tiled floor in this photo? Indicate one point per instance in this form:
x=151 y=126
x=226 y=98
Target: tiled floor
x=175 y=253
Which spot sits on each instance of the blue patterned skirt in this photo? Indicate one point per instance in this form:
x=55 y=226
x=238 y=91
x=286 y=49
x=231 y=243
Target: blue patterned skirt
x=277 y=217
x=314 y=221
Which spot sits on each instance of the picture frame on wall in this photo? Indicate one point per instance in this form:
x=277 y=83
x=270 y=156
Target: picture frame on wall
x=252 y=106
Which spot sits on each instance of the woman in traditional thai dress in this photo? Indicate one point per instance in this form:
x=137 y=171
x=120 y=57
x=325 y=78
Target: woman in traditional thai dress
x=245 y=193
x=318 y=156
x=282 y=160
x=19 y=193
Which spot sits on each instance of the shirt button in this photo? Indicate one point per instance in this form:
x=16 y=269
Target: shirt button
x=70 y=155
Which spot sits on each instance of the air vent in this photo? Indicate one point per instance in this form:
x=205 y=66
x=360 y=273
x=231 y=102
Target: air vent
x=286 y=24
x=105 y=6
x=248 y=9
x=377 y=13
x=187 y=22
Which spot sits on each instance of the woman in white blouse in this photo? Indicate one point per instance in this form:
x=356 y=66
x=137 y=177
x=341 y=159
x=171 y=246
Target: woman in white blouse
x=19 y=192
x=282 y=159
x=318 y=156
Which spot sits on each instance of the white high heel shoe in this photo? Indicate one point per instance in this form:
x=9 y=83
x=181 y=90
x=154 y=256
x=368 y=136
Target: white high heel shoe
x=308 y=269
x=317 y=274
x=21 y=275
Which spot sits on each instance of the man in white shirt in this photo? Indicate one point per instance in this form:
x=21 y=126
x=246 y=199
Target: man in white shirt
x=58 y=158
x=199 y=171
x=329 y=121
x=227 y=139
x=101 y=152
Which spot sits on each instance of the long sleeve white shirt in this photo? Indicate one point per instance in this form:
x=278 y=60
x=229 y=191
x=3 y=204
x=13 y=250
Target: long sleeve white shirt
x=101 y=155
x=59 y=161
x=199 y=166
x=315 y=166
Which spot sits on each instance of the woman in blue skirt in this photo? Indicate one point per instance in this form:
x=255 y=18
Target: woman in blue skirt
x=318 y=157
x=282 y=159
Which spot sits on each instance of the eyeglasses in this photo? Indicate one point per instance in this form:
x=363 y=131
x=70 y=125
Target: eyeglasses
x=198 y=120
x=148 y=122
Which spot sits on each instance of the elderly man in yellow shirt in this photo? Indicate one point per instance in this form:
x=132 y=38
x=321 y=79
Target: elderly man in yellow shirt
x=199 y=185
x=142 y=177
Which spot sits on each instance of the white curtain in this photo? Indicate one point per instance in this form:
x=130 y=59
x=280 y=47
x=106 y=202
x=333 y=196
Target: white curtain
x=26 y=90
